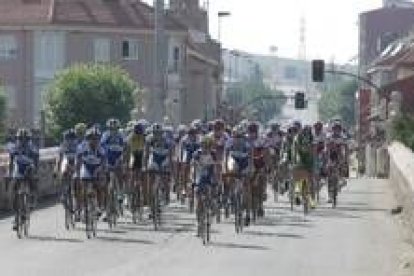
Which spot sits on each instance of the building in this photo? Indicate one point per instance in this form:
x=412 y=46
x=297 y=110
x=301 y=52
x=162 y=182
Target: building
x=40 y=37
x=378 y=28
x=398 y=3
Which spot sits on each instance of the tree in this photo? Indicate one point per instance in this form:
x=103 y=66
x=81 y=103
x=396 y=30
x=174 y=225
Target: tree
x=89 y=93
x=3 y=106
x=253 y=88
x=339 y=102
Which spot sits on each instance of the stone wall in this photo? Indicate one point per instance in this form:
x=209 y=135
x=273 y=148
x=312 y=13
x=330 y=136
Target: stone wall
x=402 y=180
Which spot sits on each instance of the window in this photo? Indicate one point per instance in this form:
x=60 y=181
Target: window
x=8 y=47
x=102 y=50
x=10 y=93
x=130 y=49
x=290 y=73
x=49 y=53
x=176 y=59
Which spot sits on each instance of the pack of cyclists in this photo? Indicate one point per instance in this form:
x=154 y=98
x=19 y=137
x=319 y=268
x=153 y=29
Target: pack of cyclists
x=107 y=173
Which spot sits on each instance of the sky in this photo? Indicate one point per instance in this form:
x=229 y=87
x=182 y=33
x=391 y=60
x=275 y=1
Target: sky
x=254 y=26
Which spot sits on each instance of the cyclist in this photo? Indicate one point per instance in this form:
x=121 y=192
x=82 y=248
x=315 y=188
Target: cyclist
x=237 y=160
x=113 y=143
x=67 y=151
x=23 y=164
x=204 y=162
x=135 y=151
x=178 y=136
x=304 y=165
x=136 y=146
x=158 y=159
x=319 y=156
x=274 y=139
x=258 y=181
x=219 y=138
x=189 y=145
x=65 y=169
x=337 y=150
x=80 y=131
x=90 y=163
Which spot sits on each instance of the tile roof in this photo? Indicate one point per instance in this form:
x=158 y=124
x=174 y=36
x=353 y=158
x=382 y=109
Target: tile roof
x=13 y=12
x=100 y=13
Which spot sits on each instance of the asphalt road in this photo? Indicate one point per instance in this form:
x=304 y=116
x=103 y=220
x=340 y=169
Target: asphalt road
x=358 y=238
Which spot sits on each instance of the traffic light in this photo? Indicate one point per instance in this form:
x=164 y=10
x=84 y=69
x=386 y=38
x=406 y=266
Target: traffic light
x=318 y=70
x=300 y=102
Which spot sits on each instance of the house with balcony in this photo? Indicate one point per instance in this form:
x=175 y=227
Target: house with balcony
x=38 y=38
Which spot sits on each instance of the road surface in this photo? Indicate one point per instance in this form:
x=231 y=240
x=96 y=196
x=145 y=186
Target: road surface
x=360 y=238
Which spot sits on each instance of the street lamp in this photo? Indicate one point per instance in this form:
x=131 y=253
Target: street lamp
x=221 y=15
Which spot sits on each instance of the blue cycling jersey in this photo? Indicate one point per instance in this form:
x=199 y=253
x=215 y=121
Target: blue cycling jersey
x=114 y=145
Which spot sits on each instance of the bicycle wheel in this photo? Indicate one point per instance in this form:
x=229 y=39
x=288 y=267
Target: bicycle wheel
x=26 y=215
x=155 y=203
x=90 y=216
x=19 y=220
x=203 y=221
x=305 y=197
x=335 y=194
x=238 y=207
x=68 y=205
x=207 y=221
x=136 y=208
x=112 y=202
x=216 y=202
x=19 y=224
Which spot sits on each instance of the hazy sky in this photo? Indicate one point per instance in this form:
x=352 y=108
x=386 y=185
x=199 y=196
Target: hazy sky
x=254 y=26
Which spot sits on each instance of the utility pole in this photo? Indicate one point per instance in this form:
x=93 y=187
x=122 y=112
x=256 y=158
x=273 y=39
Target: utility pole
x=159 y=93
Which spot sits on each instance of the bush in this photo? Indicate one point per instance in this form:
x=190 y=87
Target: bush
x=88 y=93
x=403 y=130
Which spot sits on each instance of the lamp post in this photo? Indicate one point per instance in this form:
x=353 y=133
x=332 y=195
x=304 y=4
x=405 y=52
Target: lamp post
x=273 y=50
x=221 y=15
x=219 y=95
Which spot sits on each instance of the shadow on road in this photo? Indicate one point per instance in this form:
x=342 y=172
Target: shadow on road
x=271 y=234
x=334 y=213
x=113 y=231
x=124 y=240
x=238 y=246
x=54 y=239
x=365 y=192
x=356 y=209
x=163 y=229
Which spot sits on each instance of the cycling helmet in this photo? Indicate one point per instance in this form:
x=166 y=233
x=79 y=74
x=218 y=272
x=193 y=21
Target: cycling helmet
x=113 y=124
x=93 y=134
x=80 y=129
x=297 y=124
x=219 y=124
x=274 y=127
x=22 y=134
x=253 y=127
x=192 y=131
x=318 y=125
x=207 y=141
x=197 y=124
x=156 y=128
x=238 y=132
x=169 y=132
x=182 y=130
x=337 y=125
x=69 y=134
x=139 y=128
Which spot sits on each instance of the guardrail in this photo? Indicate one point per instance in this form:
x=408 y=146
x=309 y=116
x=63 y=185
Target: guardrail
x=46 y=185
x=402 y=180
